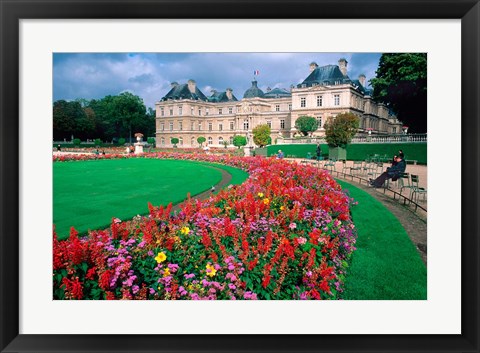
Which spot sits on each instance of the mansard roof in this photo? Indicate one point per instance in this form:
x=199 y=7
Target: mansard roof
x=277 y=93
x=328 y=74
x=182 y=92
x=253 y=91
x=219 y=97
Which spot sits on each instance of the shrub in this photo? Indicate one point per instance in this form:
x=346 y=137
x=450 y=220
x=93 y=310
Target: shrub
x=201 y=140
x=77 y=142
x=98 y=142
x=306 y=124
x=174 y=141
x=151 y=141
x=261 y=135
x=340 y=130
x=239 y=141
x=121 y=141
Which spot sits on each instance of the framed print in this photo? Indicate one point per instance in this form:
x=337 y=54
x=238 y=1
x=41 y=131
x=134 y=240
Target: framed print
x=39 y=36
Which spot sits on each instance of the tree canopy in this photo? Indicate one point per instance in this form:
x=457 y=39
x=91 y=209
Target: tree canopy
x=306 y=124
x=106 y=118
x=201 y=140
x=401 y=83
x=261 y=135
x=239 y=141
x=340 y=130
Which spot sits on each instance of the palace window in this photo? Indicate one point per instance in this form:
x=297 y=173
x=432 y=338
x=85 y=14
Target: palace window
x=192 y=141
x=269 y=123
x=162 y=141
x=199 y=126
x=171 y=126
x=220 y=126
x=232 y=125
x=277 y=107
x=192 y=126
x=220 y=111
x=192 y=111
x=180 y=126
x=180 y=141
x=394 y=130
x=210 y=141
x=230 y=110
x=162 y=126
x=336 y=99
x=171 y=111
x=319 y=122
x=162 y=111
x=220 y=140
x=282 y=124
x=319 y=101
x=199 y=112
x=245 y=124
x=290 y=106
x=210 y=126
x=206 y=111
x=303 y=102
x=231 y=140
x=180 y=110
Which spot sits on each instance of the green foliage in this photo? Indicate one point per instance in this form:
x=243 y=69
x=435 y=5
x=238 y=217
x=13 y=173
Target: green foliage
x=98 y=142
x=77 y=142
x=340 y=130
x=151 y=141
x=401 y=83
x=261 y=134
x=306 y=124
x=70 y=118
x=239 y=141
x=121 y=141
x=174 y=141
x=201 y=140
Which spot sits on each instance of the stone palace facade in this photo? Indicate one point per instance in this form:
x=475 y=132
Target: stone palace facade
x=186 y=113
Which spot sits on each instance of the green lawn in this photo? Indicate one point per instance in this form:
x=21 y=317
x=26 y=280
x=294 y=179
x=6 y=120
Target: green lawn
x=386 y=264
x=88 y=194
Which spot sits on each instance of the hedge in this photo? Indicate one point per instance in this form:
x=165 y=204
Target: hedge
x=358 y=151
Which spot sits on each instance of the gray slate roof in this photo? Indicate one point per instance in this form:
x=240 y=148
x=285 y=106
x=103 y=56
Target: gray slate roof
x=253 y=91
x=182 y=92
x=328 y=74
x=277 y=93
x=218 y=97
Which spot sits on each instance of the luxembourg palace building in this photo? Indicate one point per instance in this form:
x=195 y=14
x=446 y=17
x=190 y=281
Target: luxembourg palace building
x=186 y=113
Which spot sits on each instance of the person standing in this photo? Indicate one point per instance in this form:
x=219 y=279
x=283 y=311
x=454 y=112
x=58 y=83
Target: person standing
x=319 y=152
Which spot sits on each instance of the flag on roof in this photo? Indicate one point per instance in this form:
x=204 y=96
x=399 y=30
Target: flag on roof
x=256 y=72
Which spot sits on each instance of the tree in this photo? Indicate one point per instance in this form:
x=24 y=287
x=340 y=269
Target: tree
x=201 y=140
x=174 y=141
x=69 y=118
x=306 y=124
x=340 y=130
x=261 y=134
x=239 y=141
x=401 y=83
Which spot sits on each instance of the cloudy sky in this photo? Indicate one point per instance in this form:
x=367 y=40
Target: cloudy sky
x=148 y=75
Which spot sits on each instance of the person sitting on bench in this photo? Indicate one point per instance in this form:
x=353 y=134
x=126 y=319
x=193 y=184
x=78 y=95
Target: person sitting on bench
x=393 y=172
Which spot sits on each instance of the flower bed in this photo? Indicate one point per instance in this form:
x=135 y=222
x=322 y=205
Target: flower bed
x=285 y=233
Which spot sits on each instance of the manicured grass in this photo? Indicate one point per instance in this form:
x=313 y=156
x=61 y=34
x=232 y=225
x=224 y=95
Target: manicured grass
x=386 y=264
x=88 y=194
x=358 y=151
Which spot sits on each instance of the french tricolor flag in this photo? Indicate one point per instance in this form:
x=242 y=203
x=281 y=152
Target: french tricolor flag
x=256 y=72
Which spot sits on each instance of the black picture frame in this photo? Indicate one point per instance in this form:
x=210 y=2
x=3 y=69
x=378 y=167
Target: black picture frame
x=12 y=11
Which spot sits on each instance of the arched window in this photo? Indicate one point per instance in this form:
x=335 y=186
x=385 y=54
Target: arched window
x=192 y=141
x=220 y=140
x=210 y=141
x=162 y=141
x=231 y=140
x=180 y=141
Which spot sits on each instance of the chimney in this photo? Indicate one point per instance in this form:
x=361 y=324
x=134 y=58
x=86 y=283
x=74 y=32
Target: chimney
x=191 y=86
x=268 y=89
x=174 y=84
x=342 y=64
x=362 y=78
x=313 y=66
x=229 y=93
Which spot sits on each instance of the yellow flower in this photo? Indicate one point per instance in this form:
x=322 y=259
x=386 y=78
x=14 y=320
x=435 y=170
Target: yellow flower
x=166 y=273
x=185 y=230
x=211 y=271
x=282 y=208
x=266 y=201
x=177 y=240
x=260 y=194
x=161 y=257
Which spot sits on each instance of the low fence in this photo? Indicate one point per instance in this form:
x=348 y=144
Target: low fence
x=394 y=138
